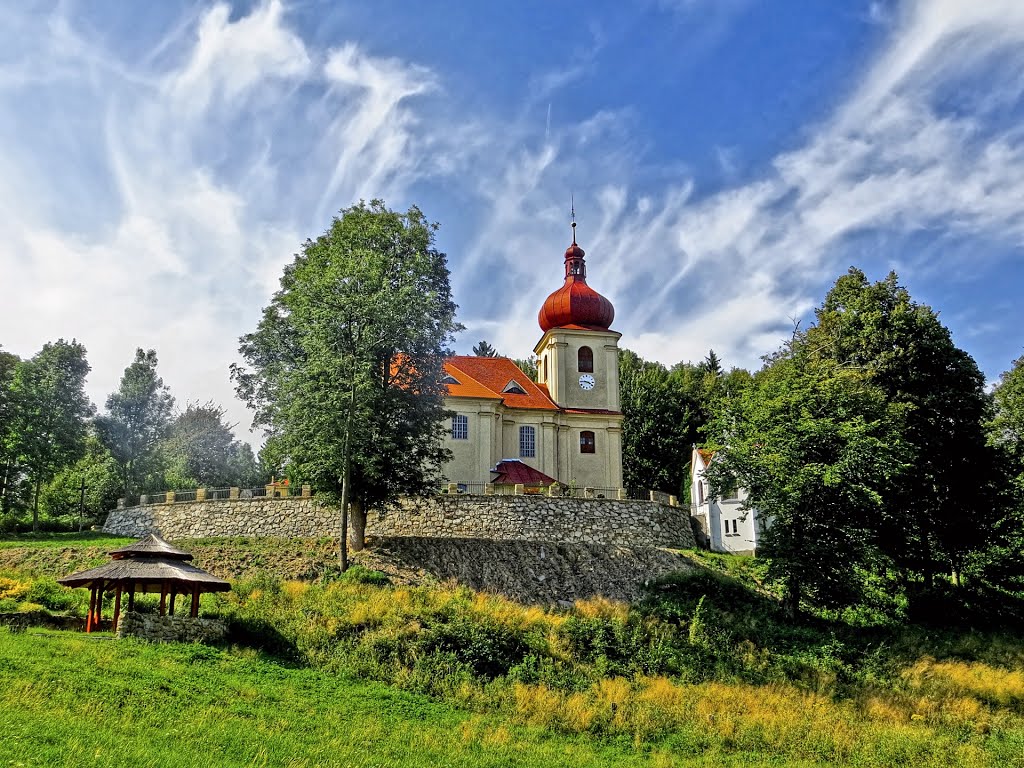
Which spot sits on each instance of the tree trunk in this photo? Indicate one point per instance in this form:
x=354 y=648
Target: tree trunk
x=358 y=515
x=4 y=485
x=35 y=508
x=791 y=596
x=346 y=477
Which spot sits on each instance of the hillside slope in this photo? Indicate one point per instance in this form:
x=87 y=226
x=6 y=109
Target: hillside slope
x=529 y=572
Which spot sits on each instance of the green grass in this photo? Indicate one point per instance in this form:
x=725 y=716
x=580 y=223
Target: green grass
x=68 y=700
x=706 y=671
x=46 y=540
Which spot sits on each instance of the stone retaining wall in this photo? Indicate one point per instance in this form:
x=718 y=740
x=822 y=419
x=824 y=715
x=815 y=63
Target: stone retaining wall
x=236 y=517
x=508 y=518
x=537 y=518
x=171 y=629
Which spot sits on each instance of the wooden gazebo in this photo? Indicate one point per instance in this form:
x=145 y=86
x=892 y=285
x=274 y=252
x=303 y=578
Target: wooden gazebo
x=148 y=565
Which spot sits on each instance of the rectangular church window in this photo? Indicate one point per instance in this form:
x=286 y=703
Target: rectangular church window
x=587 y=442
x=460 y=427
x=527 y=442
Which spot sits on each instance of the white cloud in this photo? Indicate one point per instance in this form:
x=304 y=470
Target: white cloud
x=237 y=139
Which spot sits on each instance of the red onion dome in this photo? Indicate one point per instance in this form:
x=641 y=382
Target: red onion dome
x=576 y=303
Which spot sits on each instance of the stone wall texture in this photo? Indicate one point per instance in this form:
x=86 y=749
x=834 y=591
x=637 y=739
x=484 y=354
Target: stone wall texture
x=171 y=629
x=536 y=518
x=236 y=517
x=508 y=518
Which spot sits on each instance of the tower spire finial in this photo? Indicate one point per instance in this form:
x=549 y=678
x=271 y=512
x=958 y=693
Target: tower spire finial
x=572 y=207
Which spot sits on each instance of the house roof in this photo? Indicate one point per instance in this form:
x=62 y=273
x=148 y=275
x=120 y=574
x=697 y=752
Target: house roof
x=488 y=376
x=706 y=455
x=515 y=472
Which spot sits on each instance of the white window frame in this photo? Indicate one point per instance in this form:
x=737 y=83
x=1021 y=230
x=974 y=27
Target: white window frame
x=460 y=427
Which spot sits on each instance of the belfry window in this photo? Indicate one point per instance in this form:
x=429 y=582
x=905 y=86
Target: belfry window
x=587 y=442
x=585 y=358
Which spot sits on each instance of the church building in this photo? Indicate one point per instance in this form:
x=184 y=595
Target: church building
x=567 y=425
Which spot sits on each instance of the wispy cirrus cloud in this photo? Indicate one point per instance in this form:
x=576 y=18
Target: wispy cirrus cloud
x=152 y=200
x=203 y=190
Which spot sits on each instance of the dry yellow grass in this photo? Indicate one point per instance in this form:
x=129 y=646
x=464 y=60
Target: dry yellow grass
x=975 y=679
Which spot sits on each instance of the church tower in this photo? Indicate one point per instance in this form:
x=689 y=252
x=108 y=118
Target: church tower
x=578 y=355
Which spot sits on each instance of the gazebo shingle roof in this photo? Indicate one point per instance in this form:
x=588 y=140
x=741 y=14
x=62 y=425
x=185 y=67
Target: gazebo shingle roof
x=151 y=545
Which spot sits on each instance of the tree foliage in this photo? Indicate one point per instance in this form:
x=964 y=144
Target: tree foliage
x=814 y=444
x=527 y=365
x=50 y=412
x=483 y=349
x=138 y=417
x=665 y=414
x=1002 y=564
x=201 y=451
x=63 y=496
x=8 y=442
x=940 y=509
x=344 y=370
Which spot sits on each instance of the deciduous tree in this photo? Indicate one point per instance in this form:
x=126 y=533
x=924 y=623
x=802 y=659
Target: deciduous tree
x=940 y=510
x=345 y=368
x=201 y=451
x=814 y=444
x=138 y=417
x=51 y=412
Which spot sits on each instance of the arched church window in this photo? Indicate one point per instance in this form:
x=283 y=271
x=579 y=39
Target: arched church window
x=587 y=442
x=585 y=357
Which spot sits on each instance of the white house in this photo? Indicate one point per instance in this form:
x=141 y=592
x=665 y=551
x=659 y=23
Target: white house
x=727 y=526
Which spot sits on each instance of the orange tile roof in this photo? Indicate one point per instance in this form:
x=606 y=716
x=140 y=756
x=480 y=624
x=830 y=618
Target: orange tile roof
x=490 y=375
x=467 y=386
x=706 y=455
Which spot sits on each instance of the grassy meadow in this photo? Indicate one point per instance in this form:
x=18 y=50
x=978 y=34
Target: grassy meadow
x=706 y=671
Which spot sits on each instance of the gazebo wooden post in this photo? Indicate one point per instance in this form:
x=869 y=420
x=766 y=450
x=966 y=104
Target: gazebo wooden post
x=92 y=606
x=131 y=596
x=194 y=608
x=163 y=598
x=117 y=608
x=99 y=605
x=174 y=594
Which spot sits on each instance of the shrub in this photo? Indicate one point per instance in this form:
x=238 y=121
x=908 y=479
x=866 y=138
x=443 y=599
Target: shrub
x=47 y=592
x=358 y=574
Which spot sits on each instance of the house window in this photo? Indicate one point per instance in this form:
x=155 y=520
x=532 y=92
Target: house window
x=731 y=491
x=725 y=524
x=734 y=527
x=527 y=442
x=585 y=357
x=700 y=492
x=587 y=442
x=460 y=427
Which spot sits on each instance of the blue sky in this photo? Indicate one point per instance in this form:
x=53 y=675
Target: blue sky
x=161 y=162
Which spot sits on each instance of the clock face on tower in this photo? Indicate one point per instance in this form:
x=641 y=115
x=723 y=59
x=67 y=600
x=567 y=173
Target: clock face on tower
x=587 y=381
